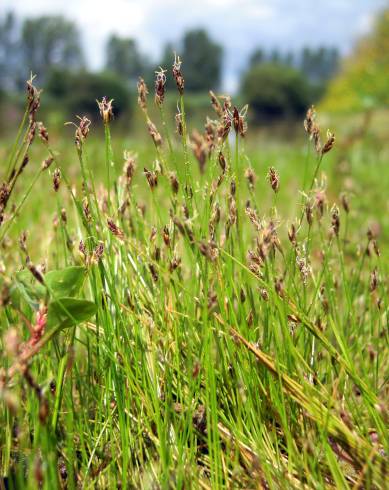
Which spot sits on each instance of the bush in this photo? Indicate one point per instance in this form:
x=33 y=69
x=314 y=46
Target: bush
x=79 y=91
x=274 y=91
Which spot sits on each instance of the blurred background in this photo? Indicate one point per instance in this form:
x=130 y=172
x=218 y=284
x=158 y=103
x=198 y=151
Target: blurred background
x=279 y=56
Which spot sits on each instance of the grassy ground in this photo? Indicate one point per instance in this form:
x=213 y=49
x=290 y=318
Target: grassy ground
x=228 y=333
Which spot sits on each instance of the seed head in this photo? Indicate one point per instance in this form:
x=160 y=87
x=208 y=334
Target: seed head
x=43 y=134
x=82 y=130
x=178 y=119
x=218 y=108
x=309 y=122
x=106 y=111
x=251 y=178
x=373 y=280
x=160 y=82
x=151 y=177
x=328 y=145
x=142 y=94
x=239 y=120
x=156 y=137
x=177 y=75
x=274 y=179
x=114 y=229
x=174 y=182
x=56 y=179
x=335 y=221
x=46 y=163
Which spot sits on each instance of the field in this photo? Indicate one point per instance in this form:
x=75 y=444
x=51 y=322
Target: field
x=208 y=311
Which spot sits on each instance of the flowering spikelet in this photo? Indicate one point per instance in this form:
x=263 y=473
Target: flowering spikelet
x=166 y=236
x=309 y=121
x=309 y=212
x=239 y=120
x=33 y=99
x=160 y=82
x=56 y=179
x=46 y=163
x=142 y=94
x=292 y=235
x=200 y=149
x=251 y=178
x=156 y=137
x=128 y=167
x=222 y=162
x=178 y=119
x=274 y=179
x=373 y=280
x=218 y=108
x=151 y=177
x=335 y=221
x=114 y=229
x=177 y=75
x=82 y=130
x=174 y=182
x=304 y=267
x=43 y=134
x=328 y=145
x=106 y=111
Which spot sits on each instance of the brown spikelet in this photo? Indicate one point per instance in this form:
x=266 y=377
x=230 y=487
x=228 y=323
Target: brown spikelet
x=328 y=145
x=174 y=182
x=43 y=134
x=274 y=179
x=156 y=137
x=335 y=220
x=114 y=229
x=218 y=108
x=46 y=163
x=160 y=82
x=56 y=179
x=177 y=74
x=106 y=110
x=151 y=177
x=142 y=94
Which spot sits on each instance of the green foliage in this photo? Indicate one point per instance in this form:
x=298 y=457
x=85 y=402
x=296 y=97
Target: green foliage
x=67 y=312
x=274 y=90
x=65 y=282
x=78 y=91
x=223 y=332
x=362 y=83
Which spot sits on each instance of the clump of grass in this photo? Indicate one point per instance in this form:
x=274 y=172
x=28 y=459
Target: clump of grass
x=189 y=336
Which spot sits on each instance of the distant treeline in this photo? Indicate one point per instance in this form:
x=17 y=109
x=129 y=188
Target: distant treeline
x=275 y=83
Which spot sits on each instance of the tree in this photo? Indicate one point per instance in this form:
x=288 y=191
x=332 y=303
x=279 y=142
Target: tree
x=50 y=41
x=202 y=61
x=362 y=83
x=124 y=59
x=274 y=90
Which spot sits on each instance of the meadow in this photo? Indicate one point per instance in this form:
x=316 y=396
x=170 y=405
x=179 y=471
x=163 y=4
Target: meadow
x=186 y=309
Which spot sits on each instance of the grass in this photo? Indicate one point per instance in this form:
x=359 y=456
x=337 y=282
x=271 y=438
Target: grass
x=164 y=336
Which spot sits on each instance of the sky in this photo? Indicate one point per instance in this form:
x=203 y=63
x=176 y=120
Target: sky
x=239 y=25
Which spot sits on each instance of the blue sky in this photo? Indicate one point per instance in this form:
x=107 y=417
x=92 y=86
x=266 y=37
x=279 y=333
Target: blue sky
x=240 y=25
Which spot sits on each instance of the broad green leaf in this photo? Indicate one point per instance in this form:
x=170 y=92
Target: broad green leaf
x=27 y=287
x=67 y=312
x=65 y=282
